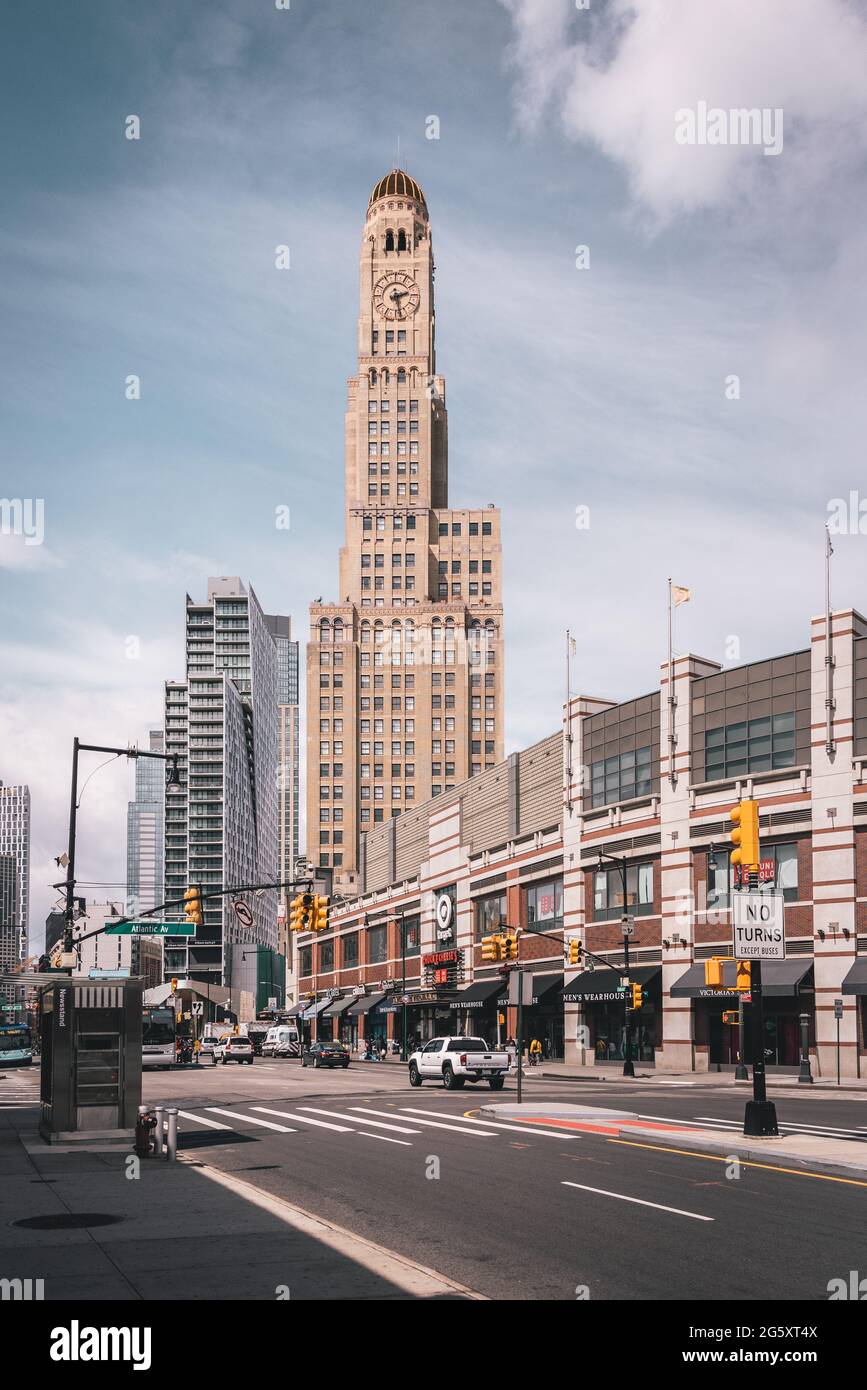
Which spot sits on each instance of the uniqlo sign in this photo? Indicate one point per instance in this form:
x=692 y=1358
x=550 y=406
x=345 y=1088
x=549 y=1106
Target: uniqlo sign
x=767 y=872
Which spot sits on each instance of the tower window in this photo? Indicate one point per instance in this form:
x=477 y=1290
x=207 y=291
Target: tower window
x=401 y=241
x=389 y=241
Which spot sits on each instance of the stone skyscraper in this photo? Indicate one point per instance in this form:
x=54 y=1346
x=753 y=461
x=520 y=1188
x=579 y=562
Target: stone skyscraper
x=405 y=671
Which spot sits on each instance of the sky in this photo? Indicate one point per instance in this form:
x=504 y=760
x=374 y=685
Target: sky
x=683 y=397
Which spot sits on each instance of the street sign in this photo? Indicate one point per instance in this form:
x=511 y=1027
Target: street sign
x=197 y=1008
x=518 y=980
x=838 y=1008
x=242 y=912
x=272 y=1001
x=152 y=929
x=757 y=921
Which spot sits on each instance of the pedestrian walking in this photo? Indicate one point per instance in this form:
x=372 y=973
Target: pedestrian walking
x=535 y=1052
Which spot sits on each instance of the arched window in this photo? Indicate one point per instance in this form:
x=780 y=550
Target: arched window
x=401 y=240
x=338 y=632
x=365 y=632
x=389 y=241
x=401 y=376
x=373 y=376
x=324 y=630
x=385 y=376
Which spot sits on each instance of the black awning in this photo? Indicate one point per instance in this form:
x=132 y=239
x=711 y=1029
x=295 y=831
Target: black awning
x=338 y=1006
x=544 y=987
x=365 y=1003
x=477 y=995
x=314 y=1010
x=602 y=986
x=856 y=981
x=295 y=1010
x=779 y=978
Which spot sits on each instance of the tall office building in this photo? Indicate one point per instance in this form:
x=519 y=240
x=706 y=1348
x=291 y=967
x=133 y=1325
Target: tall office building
x=15 y=847
x=10 y=936
x=405 y=672
x=221 y=823
x=145 y=831
x=287 y=785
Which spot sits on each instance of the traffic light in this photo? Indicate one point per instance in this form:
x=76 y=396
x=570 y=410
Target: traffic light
x=745 y=835
x=296 y=914
x=637 y=996
x=490 y=948
x=713 y=972
x=193 y=904
x=319 y=910
x=510 y=945
x=575 y=952
x=743 y=976
x=174 y=986
x=730 y=1016
x=307 y=902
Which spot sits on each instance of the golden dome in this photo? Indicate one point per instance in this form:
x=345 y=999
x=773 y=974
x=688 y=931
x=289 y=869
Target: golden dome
x=397 y=184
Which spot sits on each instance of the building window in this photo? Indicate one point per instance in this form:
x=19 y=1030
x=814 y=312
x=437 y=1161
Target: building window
x=608 y=892
x=490 y=914
x=377 y=945
x=620 y=778
x=752 y=745
x=350 y=951
x=305 y=960
x=411 y=935
x=545 y=905
x=326 y=955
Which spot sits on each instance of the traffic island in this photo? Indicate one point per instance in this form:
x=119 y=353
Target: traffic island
x=845 y=1158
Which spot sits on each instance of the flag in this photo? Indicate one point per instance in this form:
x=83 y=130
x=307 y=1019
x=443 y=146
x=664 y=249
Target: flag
x=573 y=646
x=680 y=595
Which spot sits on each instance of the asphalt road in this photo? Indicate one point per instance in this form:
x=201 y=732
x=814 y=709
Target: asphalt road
x=531 y=1214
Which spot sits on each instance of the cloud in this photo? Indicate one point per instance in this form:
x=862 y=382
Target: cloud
x=615 y=76
x=17 y=554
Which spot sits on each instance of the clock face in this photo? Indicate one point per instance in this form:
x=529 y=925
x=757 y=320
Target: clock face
x=396 y=296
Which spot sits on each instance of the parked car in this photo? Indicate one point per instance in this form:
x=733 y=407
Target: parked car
x=281 y=1041
x=454 y=1061
x=233 y=1049
x=325 y=1054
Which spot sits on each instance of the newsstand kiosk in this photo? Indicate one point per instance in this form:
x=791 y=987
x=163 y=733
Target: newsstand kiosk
x=91 y=1059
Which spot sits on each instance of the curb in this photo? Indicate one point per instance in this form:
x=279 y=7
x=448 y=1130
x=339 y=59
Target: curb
x=749 y=1150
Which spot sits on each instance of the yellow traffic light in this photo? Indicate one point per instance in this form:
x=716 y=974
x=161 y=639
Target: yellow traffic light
x=636 y=996
x=743 y=976
x=490 y=948
x=193 y=904
x=174 y=986
x=510 y=945
x=295 y=914
x=575 y=952
x=713 y=972
x=319 y=913
x=307 y=918
x=745 y=835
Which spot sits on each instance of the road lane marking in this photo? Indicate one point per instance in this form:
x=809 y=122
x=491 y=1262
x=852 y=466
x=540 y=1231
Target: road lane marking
x=496 y=1124
x=416 y=1280
x=305 y=1119
x=832 y=1131
x=386 y=1138
x=744 y=1162
x=434 y=1124
x=639 y=1201
x=200 y=1120
x=236 y=1115
x=377 y=1124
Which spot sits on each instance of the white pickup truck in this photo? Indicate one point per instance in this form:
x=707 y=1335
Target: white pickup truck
x=454 y=1061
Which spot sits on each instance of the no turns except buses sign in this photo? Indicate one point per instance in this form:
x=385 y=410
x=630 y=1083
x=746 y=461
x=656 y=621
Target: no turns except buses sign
x=757 y=919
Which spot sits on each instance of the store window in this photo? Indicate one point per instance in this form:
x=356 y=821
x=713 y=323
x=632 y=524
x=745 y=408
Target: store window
x=305 y=960
x=326 y=955
x=545 y=905
x=490 y=914
x=608 y=892
x=350 y=951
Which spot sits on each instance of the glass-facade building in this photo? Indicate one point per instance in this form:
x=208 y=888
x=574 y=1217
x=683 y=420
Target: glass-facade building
x=146 y=830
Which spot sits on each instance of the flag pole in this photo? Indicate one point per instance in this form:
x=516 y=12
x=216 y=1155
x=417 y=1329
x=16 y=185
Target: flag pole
x=672 y=775
x=829 y=654
x=568 y=725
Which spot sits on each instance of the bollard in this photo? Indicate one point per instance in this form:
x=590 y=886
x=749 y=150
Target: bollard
x=172 y=1152
x=158 y=1132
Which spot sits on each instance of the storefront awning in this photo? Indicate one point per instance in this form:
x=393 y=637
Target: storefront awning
x=856 y=981
x=296 y=1011
x=544 y=987
x=477 y=995
x=365 y=1003
x=316 y=1009
x=338 y=1006
x=603 y=986
x=779 y=977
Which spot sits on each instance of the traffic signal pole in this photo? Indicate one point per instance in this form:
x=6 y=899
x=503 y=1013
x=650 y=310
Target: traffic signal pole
x=760 y=1115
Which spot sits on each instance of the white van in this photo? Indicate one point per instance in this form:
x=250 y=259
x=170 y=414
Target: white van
x=281 y=1041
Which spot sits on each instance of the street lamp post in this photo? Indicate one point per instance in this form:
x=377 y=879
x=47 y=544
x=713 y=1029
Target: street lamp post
x=626 y=925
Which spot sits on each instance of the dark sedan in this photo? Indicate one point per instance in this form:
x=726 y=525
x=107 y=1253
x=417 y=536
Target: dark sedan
x=325 y=1054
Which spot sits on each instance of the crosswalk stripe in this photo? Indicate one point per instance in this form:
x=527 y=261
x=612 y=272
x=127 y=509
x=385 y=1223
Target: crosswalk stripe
x=527 y=1128
x=831 y=1131
x=200 y=1120
x=234 y=1115
x=386 y=1138
x=434 y=1124
x=305 y=1119
x=377 y=1124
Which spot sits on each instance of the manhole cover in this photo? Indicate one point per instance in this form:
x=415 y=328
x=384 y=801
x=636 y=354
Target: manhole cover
x=67 y=1221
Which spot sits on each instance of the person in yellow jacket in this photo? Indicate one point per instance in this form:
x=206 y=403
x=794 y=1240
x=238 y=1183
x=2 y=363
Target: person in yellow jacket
x=535 y=1052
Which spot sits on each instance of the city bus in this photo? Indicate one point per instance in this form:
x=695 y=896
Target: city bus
x=158 y=1036
x=16 y=1045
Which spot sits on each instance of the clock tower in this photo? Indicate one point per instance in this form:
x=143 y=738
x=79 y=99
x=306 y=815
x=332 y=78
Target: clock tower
x=405 y=671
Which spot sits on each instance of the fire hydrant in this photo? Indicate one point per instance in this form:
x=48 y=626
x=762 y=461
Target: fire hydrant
x=144 y=1126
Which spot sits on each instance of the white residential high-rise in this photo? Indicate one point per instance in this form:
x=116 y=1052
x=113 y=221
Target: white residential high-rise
x=15 y=874
x=221 y=823
x=145 y=831
x=287 y=777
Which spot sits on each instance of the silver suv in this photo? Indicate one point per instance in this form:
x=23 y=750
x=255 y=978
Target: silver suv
x=234 y=1049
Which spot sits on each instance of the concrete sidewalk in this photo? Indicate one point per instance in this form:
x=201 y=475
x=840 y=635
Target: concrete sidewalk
x=90 y=1228
x=838 y=1157
x=613 y=1071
